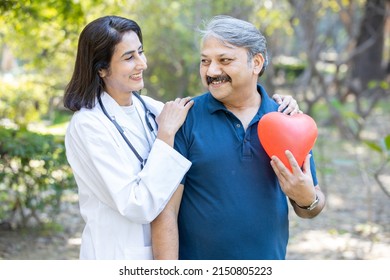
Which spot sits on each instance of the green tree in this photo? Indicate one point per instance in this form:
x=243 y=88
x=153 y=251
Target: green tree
x=43 y=36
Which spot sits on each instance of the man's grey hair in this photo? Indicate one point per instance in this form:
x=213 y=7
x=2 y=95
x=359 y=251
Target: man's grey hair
x=238 y=33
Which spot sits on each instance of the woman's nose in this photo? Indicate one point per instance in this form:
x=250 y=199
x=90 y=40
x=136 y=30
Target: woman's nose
x=141 y=62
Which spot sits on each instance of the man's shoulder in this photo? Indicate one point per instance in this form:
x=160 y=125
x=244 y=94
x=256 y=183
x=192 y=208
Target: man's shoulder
x=200 y=101
x=202 y=97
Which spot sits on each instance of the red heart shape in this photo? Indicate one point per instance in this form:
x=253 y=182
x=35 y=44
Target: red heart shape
x=279 y=132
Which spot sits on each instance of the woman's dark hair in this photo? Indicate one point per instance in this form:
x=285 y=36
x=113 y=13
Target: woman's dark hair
x=95 y=49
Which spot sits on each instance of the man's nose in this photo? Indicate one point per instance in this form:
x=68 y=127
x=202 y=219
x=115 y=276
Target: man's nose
x=214 y=69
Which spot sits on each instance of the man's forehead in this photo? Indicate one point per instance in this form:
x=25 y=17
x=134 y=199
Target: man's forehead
x=219 y=47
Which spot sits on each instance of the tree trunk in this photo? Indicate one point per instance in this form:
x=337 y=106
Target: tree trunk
x=367 y=63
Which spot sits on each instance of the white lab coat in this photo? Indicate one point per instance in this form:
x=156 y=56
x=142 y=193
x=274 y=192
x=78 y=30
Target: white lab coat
x=117 y=199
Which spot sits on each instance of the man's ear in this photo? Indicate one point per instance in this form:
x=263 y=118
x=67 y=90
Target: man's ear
x=258 y=61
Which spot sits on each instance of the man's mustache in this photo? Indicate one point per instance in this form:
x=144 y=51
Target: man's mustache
x=221 y=78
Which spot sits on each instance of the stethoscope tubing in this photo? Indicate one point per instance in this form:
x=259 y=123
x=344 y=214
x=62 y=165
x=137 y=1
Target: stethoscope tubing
x=122 y=132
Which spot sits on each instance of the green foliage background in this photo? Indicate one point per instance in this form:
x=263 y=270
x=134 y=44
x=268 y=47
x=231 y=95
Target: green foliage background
x=43 y=35
x=34 y=175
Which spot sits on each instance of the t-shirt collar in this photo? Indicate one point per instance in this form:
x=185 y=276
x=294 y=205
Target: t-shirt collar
x=266 y=106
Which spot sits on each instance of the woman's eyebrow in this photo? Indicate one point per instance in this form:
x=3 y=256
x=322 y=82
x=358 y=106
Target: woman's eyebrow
x=131 y=52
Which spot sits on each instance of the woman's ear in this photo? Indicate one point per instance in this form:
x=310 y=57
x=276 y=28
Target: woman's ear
x=102 y=73
x=258 y=61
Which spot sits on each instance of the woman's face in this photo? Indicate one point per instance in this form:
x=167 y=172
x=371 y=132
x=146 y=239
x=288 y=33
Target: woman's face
x=126 y=69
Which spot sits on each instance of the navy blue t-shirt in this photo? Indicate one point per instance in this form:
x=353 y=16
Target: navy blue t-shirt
x=232 y=205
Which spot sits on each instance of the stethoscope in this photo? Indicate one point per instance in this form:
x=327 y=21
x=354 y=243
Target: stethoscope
x=148 y=115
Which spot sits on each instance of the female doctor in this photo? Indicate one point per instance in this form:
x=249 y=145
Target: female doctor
x=126 y=170
x=110 y=136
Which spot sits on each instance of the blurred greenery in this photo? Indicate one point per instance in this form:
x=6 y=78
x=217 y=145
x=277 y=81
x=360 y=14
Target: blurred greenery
x=34 y=174
x=310 y=45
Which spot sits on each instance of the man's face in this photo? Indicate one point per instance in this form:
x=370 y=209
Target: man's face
x=224 y=69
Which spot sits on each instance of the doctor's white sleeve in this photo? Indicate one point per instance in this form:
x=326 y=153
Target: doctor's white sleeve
x=106 y=170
